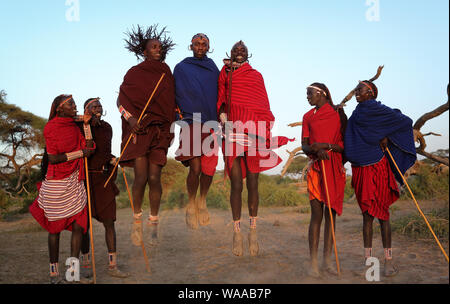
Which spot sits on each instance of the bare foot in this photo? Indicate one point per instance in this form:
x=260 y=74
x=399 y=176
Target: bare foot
x=116 y=273
x=57 y=280
x=253 y=246
x=313 y=270
x=203 y=216
x=328 y=266
x=238 y=244
x=390 y=269
x=136 y=233
x=153 y=227
x=86 y=272
x=191 y=216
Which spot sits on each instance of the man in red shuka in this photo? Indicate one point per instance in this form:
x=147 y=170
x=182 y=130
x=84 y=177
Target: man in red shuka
x=244 y=110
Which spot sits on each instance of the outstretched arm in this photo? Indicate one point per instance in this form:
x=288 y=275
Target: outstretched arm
x=295 y=124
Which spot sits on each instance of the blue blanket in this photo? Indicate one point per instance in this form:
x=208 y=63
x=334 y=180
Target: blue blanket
x=369 y=124
x=196 y=88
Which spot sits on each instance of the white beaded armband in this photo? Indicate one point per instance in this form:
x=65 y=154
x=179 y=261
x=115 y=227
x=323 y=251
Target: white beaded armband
x=74 y=155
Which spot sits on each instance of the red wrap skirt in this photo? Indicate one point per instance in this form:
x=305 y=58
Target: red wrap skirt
x=375 y=188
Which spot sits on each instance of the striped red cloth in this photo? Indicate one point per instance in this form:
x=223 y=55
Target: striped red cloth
x=375 y=188
x=54 y=227
x=62 y=198
x=249 y=101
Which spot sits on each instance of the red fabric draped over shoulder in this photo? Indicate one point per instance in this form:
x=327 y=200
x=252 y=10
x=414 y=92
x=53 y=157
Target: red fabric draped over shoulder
x=135 y=91
x=249 y=105
x=137 y=87
x=62 y=135
x=249 y=101
x=324 y=126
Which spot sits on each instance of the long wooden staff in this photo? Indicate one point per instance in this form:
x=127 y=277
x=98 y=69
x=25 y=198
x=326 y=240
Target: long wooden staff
x=417 y=205
x=147 y=265
x=90 y=217
x=131 y=135
x=230 y=85
x=331 y=218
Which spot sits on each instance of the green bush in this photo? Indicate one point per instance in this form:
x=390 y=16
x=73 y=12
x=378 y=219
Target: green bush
x=4 y=201
x=415 y=226
x=427 y=185
x=348 y=191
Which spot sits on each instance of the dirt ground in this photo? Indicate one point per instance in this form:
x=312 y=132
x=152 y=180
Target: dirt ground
x=204 y=256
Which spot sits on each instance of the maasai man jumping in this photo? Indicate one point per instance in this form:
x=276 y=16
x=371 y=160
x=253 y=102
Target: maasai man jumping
x=62 y=200
x=244 y=110
x=323 y=141
x=103 y=200
x=371 y=128
x=147 y=151
x=196 y=95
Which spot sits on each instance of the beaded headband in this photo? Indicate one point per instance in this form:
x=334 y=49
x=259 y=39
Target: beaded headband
x=319 y=89
x=370 y=88
x=90 y=102
x=200 y=35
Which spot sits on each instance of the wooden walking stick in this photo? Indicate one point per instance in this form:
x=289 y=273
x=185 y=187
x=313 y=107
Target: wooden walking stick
x=417 y=205
x=331 y=218
x=147 y=265
x=230 y=85
x=131 y=135
x=90 y=217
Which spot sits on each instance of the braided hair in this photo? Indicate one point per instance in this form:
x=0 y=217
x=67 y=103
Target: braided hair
x=56 y=102
x=53 y=112
x=138 y=38
x=342 y=116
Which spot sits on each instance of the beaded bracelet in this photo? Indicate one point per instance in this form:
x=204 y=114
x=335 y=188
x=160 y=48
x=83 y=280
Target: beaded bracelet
x=127 y=115
x=74 y=155
x=87 y=131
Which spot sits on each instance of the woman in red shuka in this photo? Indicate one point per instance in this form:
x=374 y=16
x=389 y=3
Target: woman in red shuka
x=61 y=204
x=322 y=141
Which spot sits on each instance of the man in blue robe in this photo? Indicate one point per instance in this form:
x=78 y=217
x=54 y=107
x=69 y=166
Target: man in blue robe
x=196 y=81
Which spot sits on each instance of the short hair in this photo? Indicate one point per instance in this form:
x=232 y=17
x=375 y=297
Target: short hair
x=90 y=100
x=200 y=35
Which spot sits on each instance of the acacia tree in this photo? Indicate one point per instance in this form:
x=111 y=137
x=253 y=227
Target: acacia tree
x=21 y=145
x=440 y=156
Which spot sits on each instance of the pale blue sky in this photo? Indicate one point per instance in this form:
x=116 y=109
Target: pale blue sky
x=294 y=43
